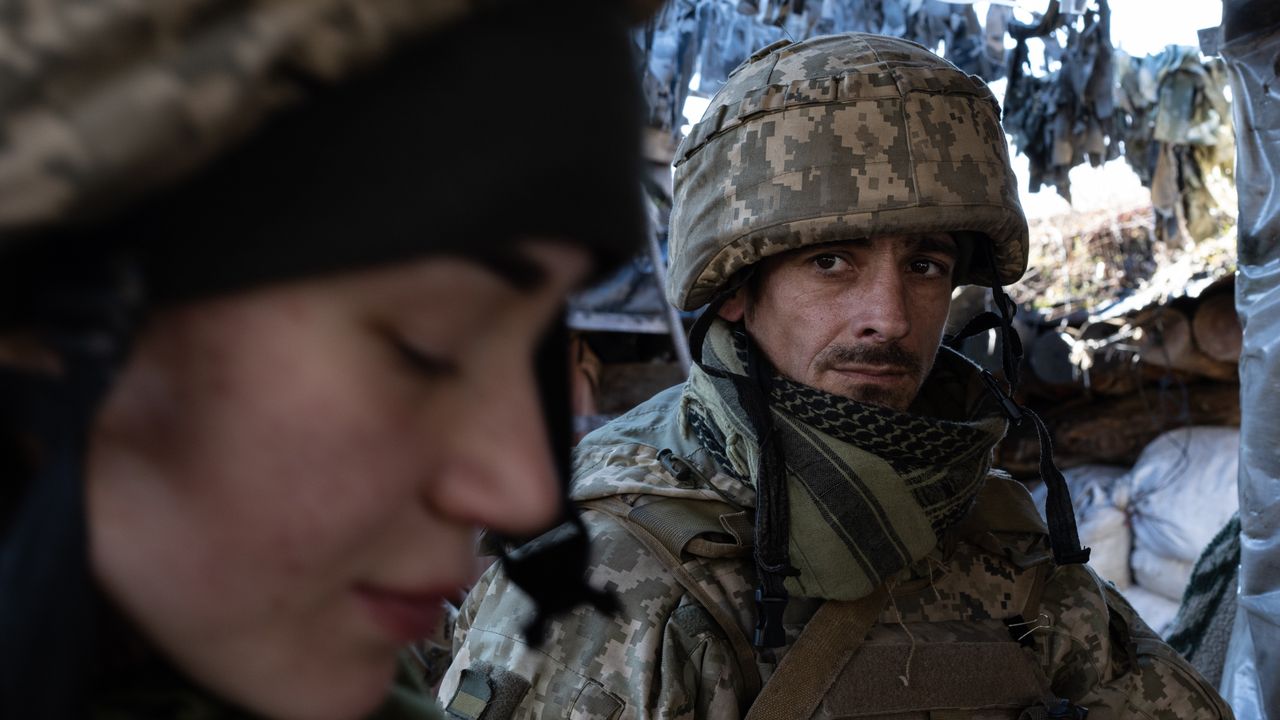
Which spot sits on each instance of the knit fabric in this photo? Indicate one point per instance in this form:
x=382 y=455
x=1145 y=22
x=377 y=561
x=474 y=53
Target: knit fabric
x=870 y=489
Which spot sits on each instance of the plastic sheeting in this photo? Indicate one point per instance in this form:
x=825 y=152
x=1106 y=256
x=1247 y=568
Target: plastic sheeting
x=1251 y=34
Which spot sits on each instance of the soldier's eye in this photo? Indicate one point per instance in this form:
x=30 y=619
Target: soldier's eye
x=928 y=268
x=826 y=261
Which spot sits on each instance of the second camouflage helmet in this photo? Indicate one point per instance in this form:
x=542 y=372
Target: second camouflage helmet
x=835 y=138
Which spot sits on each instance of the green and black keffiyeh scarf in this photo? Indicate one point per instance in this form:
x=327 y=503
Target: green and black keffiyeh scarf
x=870 y=490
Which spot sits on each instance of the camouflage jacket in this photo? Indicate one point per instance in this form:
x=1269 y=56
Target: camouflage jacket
x=663 y=655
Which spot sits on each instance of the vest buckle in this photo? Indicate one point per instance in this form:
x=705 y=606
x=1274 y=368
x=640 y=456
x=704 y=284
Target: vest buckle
x=769 y=631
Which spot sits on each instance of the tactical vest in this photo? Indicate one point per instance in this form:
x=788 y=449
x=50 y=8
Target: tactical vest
x=908 y=652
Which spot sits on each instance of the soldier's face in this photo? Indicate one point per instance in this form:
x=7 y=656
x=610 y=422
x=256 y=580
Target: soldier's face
x=285 y=483
x=862 y=319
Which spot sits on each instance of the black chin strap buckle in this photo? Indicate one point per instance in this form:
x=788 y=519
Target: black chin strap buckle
x=769 y=610
x=1011 y=409
x=1064 y=709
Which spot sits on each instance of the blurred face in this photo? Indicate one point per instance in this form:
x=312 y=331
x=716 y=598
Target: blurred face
x=284 y=483
x=862 y=319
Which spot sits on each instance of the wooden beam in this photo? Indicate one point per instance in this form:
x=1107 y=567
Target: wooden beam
x=1166 y=341
x=1216 y=328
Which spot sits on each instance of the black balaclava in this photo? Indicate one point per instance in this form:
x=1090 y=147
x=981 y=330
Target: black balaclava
x=521 y=122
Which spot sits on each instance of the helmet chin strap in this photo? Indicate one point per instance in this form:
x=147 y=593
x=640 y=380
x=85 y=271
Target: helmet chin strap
x=773 y=504
x=773 y=513
x=698 y=332
x=552 y=568
x=1064 y=538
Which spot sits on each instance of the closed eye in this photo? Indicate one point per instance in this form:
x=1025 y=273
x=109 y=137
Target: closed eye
x=422 y=362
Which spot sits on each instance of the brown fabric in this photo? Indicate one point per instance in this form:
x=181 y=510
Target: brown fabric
x=896 y=673
x=678 y=523
x=1003 y=505
x=813 y=665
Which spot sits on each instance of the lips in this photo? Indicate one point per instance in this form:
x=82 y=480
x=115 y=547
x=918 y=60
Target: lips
x=405 y=616
x=883 y=372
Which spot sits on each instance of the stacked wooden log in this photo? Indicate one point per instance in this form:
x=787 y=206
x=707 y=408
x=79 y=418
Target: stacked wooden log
x=1108 y=387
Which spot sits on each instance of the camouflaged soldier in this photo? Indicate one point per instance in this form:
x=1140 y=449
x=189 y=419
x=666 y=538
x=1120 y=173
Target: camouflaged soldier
x=810 y=527
x=255 y=343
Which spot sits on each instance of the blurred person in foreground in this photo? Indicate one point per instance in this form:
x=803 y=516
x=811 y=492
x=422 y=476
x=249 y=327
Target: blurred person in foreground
x=279 y=331
x=810 y=525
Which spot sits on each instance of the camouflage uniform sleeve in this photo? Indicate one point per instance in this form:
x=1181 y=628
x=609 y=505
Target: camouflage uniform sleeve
x=660 y=656
x=1099 y=654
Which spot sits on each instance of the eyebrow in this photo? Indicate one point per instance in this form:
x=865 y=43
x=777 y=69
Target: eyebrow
x=936 y=243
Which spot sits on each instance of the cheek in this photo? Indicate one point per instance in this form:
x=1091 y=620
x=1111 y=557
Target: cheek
x=929 y=316
x=296 y=461
x=315 y=475
x=234 y=500
x=793 y=328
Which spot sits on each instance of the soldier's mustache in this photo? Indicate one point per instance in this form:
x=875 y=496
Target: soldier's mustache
x=892 y=356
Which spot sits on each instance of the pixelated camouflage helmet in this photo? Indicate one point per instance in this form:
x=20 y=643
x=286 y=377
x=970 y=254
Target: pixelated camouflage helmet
x=840 y=137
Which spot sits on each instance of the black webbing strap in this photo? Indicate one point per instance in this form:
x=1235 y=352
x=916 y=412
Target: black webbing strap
x=46 y=599
x=1000 y=319
x=552 y=568
x=1063 y=535
x=773 y=511
x=978 y=324
x=773 y=507
x=1010 y=343
x=698 y=332
x=1064 y=538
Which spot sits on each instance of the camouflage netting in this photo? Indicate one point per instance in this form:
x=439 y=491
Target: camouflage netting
x=709 y=38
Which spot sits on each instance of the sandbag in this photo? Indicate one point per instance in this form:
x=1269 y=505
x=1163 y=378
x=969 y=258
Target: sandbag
x=1103 y=526
x=1106 y=531
x=1155 y=609
x=1183 y=490
x=1167 y=577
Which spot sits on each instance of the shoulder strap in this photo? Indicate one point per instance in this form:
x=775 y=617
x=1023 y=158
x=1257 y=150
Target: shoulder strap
x=738 y=643
x=1003 y=505
x=684 y=525
x=825 y=646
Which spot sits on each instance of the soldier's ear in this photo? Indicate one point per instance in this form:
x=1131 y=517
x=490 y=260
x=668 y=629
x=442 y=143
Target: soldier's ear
x=735 y=308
